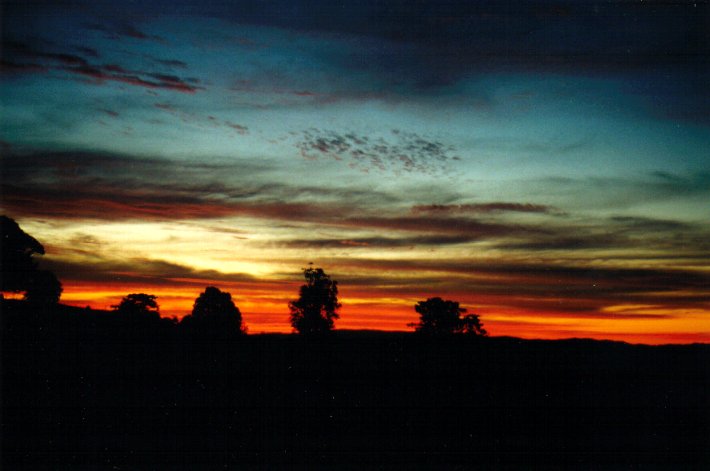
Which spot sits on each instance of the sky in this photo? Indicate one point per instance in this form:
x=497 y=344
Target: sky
x=546 y=164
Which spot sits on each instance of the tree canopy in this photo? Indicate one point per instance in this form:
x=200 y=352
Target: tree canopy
x=316 y=308
x=438 y=316
x=43 y=288
x=138 y=306
x=18 y=268
x=215 y=311
x=17 y=249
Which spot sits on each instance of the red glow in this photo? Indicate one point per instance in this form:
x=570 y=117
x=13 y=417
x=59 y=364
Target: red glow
x=264 y=310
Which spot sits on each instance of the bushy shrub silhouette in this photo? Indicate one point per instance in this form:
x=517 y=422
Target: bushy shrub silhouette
x=443 y=317
x=214 y=313
x=138 y=306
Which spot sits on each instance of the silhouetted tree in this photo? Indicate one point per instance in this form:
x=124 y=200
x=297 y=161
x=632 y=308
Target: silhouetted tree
x=18 y=270
x=316 y=308
x=43 y=288
x=214 y=311
x=138 y=306
x=437 y=317
x=472 y=325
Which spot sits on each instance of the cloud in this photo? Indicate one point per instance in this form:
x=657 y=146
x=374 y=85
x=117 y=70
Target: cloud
x=677 y=184
x=399 y=152
x=646 y=225
x=267 y=89
x=19 y=49
x=66 y=185
x=83 y=185
x=542 y=287
x=113 y=73
x=136 y=270
x=494 y=207
x=77 y=185
x=19 y=53
x=86 y=51
x=10 y=67
x=243 y=130
x=641 y=235
x=375 y=242
x=618 y=193
x=107 y=200
x=99 y=186
x=121 y=29
x=111 y=113
x=172 y=63
x=472 y=228
x=432 y=44
x=567 y=243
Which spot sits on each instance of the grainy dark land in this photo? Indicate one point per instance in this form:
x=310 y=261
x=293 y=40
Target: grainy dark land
x=80 y=391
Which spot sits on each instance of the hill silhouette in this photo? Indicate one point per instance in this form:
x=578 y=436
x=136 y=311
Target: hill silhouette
x=80 y=393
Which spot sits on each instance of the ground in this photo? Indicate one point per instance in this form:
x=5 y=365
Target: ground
x=80 y=395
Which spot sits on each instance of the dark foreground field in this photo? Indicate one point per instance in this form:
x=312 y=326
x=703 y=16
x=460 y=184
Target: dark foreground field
x=80 y=394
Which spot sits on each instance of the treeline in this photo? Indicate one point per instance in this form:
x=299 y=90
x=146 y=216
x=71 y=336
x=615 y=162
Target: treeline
x=313 y=313
x=125 y=388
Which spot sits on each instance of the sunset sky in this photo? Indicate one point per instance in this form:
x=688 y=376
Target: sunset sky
x=545 y=164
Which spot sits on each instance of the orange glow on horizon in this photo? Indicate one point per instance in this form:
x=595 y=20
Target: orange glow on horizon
x=264 y=309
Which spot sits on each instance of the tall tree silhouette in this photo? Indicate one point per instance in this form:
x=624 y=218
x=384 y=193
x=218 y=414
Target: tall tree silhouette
x=316 y=308
x=18 y=268
x=438 y=316
x=138 y=306
x=215 y=312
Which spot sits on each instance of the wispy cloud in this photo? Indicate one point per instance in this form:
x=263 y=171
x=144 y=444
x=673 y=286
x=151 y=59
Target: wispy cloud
x=78 y=185
x=12 y=67
x=114 y=73
x=137 y=270
x=18 y=53
x=243 y=130
x=399 y=152
x=568 y=243
x=172 y=63
x=494 y=207
x=376 y=242
x=621 y=193
x=543 y=286
x=650 y=225
x=121 y=29
x=71 y=185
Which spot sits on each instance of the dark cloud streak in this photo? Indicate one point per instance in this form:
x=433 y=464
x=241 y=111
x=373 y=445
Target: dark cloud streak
x=121 y=29
x=18 y=52
x=559 y=287
x=494 y=207
x=376 y=242
x=149 y=272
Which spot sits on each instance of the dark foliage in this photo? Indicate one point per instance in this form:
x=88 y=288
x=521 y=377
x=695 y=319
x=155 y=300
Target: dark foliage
x=214 y=313
x=43 y=288
x=138 y=306
x=18 y=268
x=471 y=325
x=440 y=317
x=316 y=308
